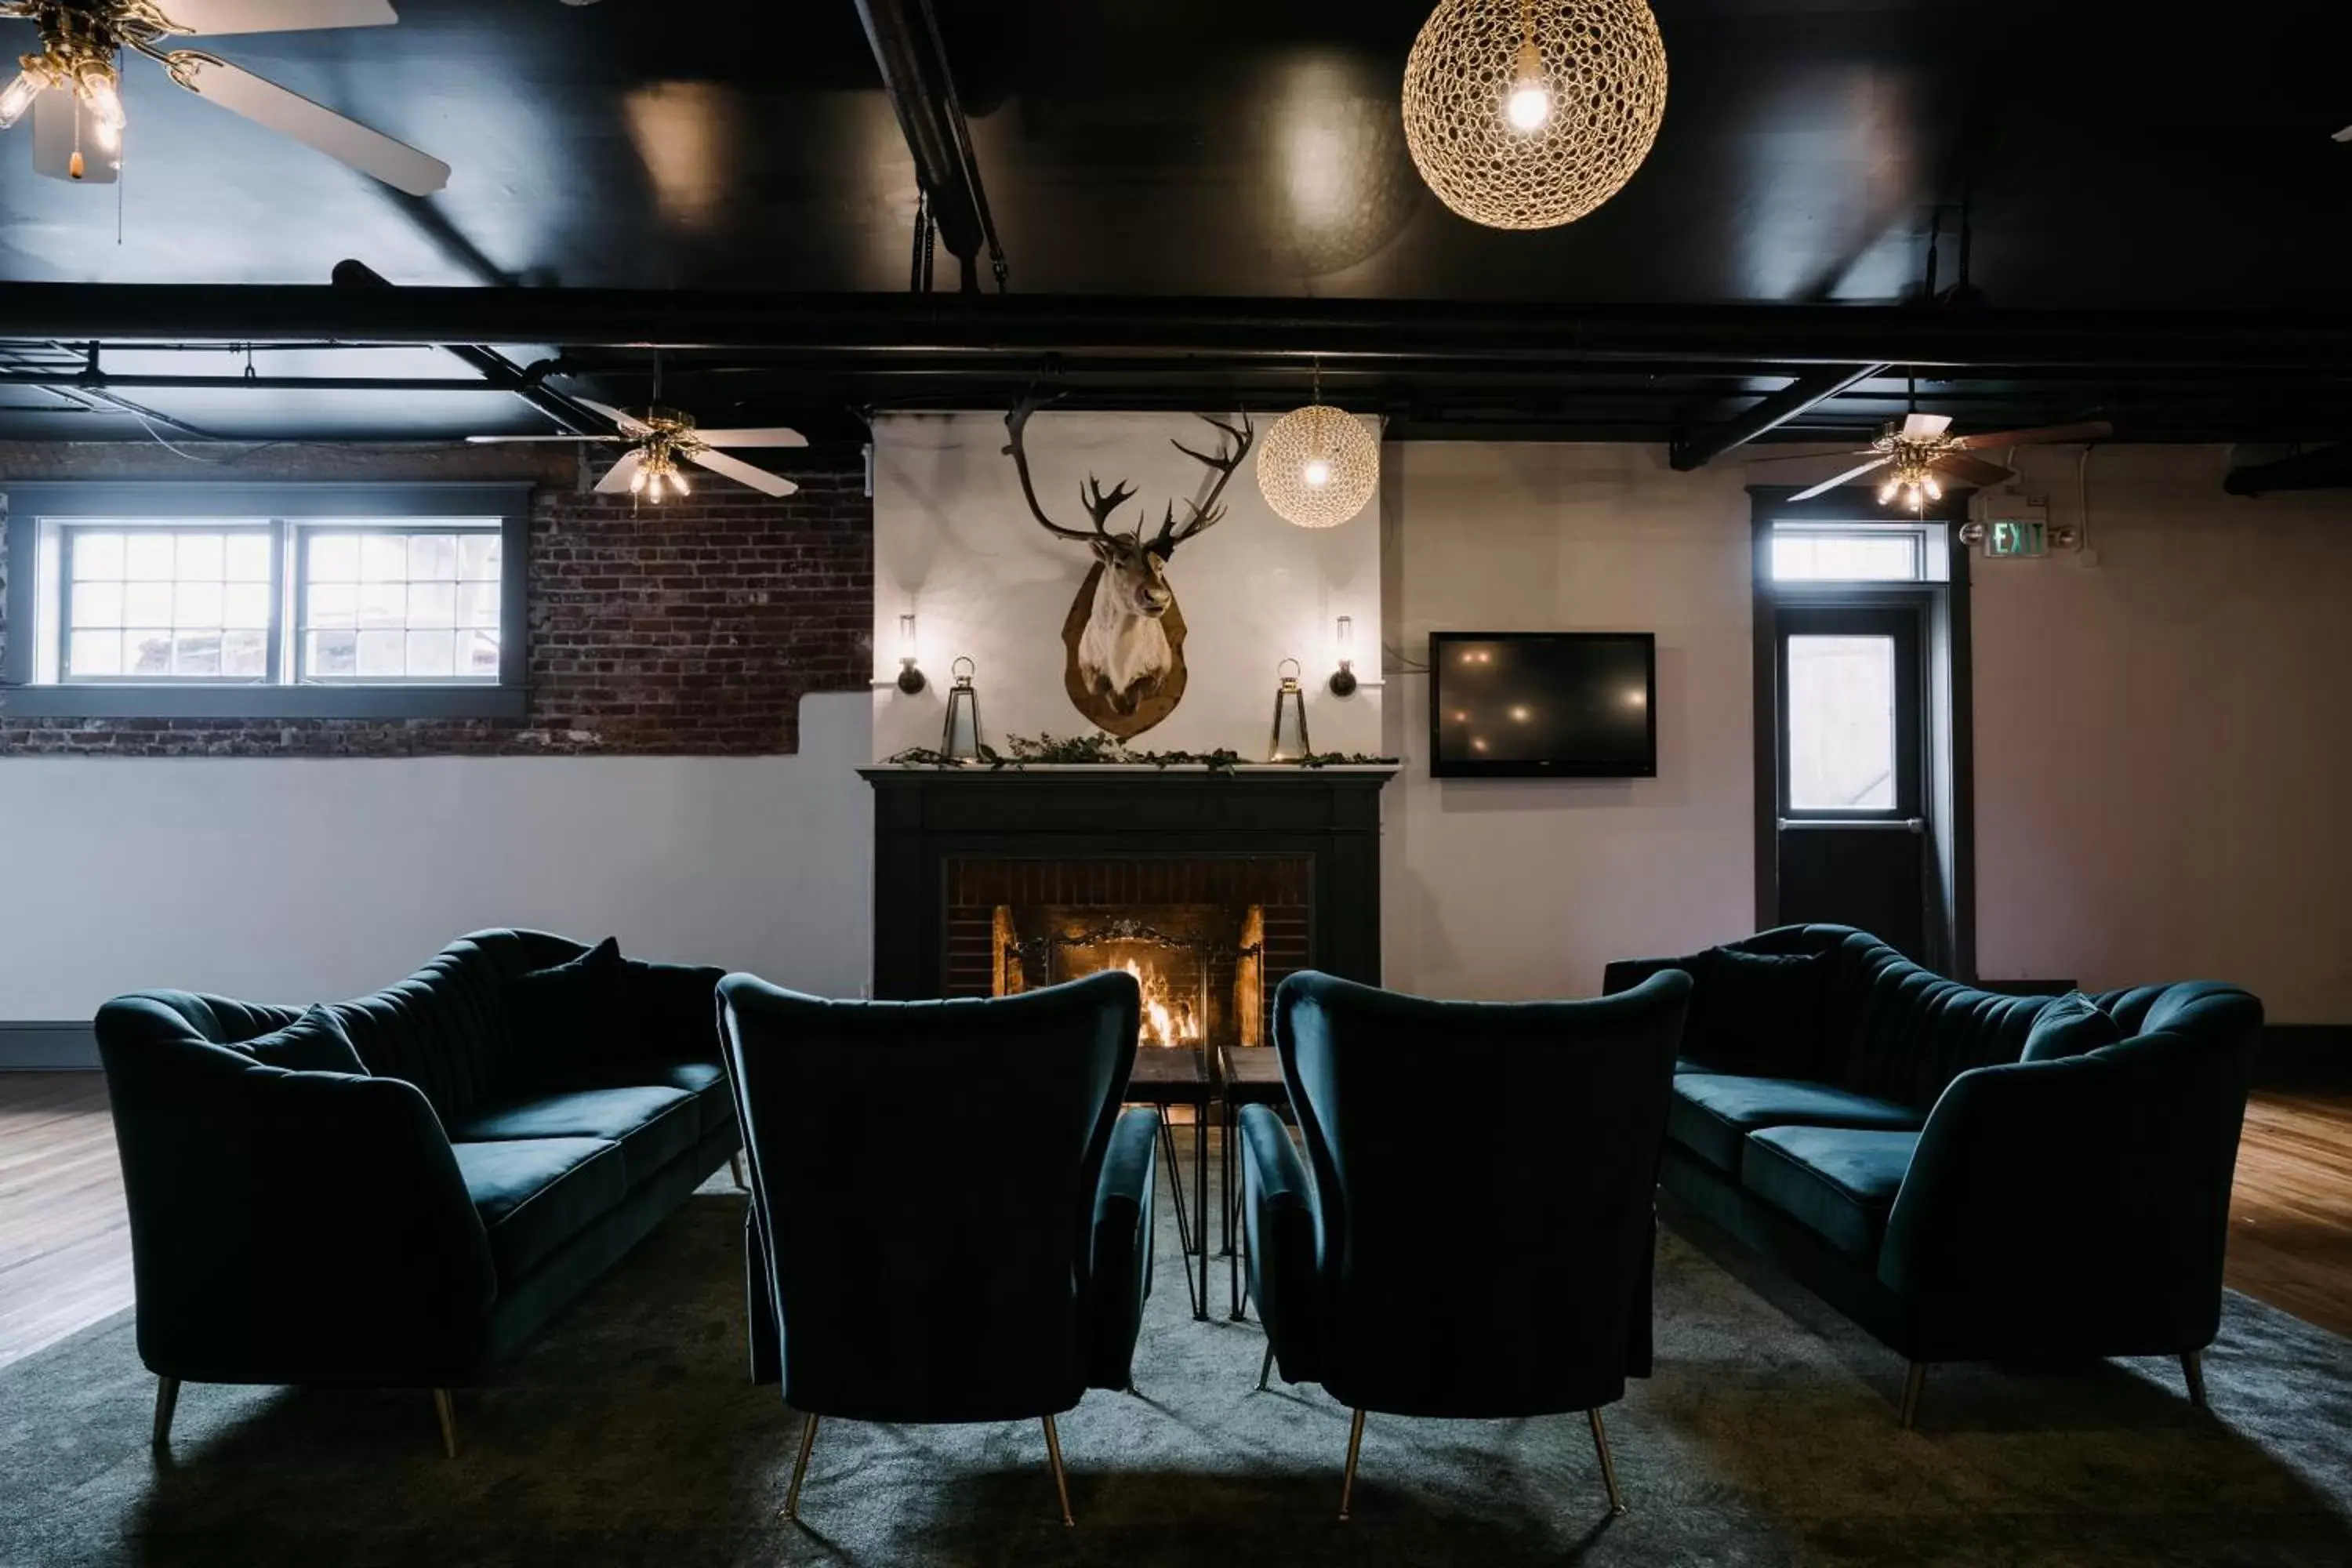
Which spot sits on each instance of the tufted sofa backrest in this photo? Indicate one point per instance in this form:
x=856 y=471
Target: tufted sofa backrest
x=444 y=1028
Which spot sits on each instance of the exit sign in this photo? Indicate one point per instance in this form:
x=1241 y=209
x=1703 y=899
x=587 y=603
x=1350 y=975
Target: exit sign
x=2016 y=537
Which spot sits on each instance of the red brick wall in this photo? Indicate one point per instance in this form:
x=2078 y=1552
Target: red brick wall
x=691 y=627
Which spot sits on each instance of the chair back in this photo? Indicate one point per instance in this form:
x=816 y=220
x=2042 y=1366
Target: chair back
x=1484 y=1174
x=924 y=1179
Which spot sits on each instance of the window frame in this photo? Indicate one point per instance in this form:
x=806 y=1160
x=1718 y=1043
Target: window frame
x=1917 y=535
x=38 y=514
x=66 y=530
x=302 y=534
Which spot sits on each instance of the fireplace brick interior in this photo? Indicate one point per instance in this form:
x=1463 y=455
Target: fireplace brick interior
x=1216 y=906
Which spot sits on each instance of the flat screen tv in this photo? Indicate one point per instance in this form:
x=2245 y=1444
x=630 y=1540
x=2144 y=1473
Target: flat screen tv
x=1543 y=704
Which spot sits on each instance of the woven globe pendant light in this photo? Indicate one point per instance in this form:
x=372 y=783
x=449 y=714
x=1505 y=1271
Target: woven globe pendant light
x=1530 y=113
x=1318 y=466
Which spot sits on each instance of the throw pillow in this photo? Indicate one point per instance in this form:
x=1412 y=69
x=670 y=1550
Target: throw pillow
x=1759 y=1013
x=2069 y=1026
x=315 y=1042
x=574 y=1012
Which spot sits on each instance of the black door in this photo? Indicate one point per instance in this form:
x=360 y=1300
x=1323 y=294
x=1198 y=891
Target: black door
x=1853 y=841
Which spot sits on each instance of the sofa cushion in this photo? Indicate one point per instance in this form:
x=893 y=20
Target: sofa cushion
x=707 y=1082
x=1712 y=1113
x=600 y=1008
x=315 y=1042
x=653 y=1125
x=1837 y=1181
x=1756 y=1012
x=2069 y=1026
x=536 y=1194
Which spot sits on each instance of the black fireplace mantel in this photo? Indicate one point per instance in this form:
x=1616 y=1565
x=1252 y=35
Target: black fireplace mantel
x=924 y=817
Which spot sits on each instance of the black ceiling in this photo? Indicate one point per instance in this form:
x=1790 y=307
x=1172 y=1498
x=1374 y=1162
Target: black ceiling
x=2109 y=156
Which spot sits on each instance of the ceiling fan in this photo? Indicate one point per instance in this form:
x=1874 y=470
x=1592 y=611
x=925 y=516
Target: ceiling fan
x=664 y=438
x=1921 y=452
x=73 y=84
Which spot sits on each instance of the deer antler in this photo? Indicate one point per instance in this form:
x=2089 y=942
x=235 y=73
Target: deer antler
x=1206 y=512
x=1099 y=505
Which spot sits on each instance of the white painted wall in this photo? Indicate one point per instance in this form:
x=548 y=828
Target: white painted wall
x=1508 y=887
x=2163 y=738
x=300 y=880
x=955 y=545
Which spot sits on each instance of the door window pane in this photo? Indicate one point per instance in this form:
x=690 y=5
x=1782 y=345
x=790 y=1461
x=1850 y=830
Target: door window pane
x=1841 y=718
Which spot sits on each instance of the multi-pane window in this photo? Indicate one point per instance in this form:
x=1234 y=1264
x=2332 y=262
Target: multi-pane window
x=1811 y=553
x=399 y=606
x=167 y=604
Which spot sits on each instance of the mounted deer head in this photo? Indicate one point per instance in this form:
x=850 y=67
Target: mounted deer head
x=1124 y=634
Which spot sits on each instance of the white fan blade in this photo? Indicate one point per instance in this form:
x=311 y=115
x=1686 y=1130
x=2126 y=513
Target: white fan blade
x=513 y=440
x=629 y=423
x=617 y=480
x=1926 y=424
x=1828 y=485
x=775 y=437
x=215 y=17
x=2345 y=134
x=289 y=113
x=57 y=112
x=743 y=473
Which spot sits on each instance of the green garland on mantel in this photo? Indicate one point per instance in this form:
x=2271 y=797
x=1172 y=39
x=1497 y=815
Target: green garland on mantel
x=1097 y=751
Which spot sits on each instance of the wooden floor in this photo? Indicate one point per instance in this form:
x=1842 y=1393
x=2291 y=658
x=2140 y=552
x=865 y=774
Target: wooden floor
x=65 y=1244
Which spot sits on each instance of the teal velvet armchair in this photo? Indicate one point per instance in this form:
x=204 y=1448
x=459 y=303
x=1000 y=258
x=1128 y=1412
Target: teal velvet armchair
x=1968 y=1176
x=950 y=1215
x=1475 y=1242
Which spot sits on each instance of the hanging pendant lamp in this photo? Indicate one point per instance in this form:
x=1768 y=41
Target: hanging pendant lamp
x=1530 y=113
x=1318 y=465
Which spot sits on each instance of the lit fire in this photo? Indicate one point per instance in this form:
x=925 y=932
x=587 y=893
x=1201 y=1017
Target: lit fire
x=1163 y=1025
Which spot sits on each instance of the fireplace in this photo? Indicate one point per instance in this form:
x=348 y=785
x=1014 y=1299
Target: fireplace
x=1213 y=887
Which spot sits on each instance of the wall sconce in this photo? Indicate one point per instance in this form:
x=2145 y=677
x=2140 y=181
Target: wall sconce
x=1343 y=638
x=1288 y=742
x=910 y=677
x=960 y=740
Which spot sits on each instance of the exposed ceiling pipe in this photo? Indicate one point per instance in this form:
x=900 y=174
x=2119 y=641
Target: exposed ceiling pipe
x=1798 y=398
x=904 y=37
x=360 y=280
x=1018 y=331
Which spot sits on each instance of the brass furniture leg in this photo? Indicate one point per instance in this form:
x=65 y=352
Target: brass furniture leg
x=1608 y=1469
x=1061 y=1477
x=167 y=1399
x=800 y=1469
x=1912 y=1386
x=1355 y=1447
x=2192 y=1367
x=446 y=1409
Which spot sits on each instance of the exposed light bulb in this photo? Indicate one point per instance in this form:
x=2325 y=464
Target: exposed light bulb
x=1530 y=105
x=637 y=481
x=106 y=134
x=1935 y=491
x=17 y=97
x=1886 y=492
x=677 y=482
x=98 y=91
x=1317 y=473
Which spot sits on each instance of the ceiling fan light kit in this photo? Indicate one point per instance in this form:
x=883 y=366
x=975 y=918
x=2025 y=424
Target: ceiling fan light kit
x=1921 y=452
x=72 y=84
x=660 y=441
x=1530 y=113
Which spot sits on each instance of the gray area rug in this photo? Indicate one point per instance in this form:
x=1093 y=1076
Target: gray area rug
x=628 y=1435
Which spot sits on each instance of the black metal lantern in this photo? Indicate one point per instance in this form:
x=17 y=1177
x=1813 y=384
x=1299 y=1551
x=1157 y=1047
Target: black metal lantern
x=1289 y=742
x=960 y=739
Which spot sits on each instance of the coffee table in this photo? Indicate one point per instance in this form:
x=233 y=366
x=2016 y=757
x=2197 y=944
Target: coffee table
x=1164 y=1077
x=1252 y=1076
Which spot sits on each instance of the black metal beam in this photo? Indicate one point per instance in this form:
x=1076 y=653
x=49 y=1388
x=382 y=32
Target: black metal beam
x=1017 y=331
x=2322 y=468
x=1800 y=396
x=357 y=280
x=108 y=380
x=916 y=76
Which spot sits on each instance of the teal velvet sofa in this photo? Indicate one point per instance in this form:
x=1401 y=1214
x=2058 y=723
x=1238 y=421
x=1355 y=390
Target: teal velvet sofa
x=399 y=1191
x=1970 y=1176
